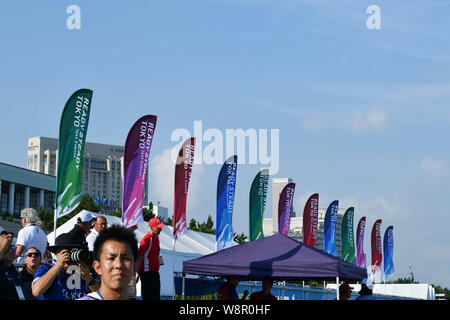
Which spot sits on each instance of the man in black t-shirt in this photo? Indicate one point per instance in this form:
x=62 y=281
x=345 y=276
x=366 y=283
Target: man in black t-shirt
x=33 y=260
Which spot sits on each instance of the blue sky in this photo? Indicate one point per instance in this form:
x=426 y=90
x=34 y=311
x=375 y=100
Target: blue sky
x=363 y=115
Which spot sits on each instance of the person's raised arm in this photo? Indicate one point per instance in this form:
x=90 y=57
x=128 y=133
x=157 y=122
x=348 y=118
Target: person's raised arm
x=4 y=244
x=43 y=283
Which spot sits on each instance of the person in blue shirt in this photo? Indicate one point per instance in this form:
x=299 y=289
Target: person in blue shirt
x=10 y=283
x=66 y=279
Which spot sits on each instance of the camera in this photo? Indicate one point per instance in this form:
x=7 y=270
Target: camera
x=79 y=255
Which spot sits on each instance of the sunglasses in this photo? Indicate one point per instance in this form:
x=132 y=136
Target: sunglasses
x=36 y=254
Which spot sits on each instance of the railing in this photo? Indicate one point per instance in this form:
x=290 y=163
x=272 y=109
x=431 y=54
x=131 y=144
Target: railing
x=285 y=291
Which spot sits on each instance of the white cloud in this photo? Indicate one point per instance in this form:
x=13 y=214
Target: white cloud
x=353 y=121
x=372 y=120
x=435 y=168
x=161 y=183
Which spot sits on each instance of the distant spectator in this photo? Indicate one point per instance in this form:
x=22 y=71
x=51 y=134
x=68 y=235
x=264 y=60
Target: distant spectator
x=366 y=291
x=30 y=235
x=345 y=291
x=99 y=225
x=47 y=254
x=33 y=260
x=115 y=253
x=41 y=225
x=148 y=261
x=83 y=227
x=228 y=290
x=264 y=294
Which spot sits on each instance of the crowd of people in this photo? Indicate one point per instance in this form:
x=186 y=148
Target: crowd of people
x=96 y=262
x=90 y=262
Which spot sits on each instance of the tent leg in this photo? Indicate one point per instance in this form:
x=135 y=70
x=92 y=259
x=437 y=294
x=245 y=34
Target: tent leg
x=337 y=288
x=182 y=287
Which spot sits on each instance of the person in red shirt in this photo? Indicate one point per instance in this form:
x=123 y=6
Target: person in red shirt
x=148 y=261
x=264 y=294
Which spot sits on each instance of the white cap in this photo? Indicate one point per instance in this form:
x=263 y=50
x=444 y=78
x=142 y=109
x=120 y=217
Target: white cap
x=86 y=216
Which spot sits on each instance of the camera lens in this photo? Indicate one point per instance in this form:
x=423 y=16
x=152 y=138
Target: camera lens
x=78 y=255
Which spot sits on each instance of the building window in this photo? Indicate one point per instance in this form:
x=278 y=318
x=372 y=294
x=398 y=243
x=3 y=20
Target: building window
x=98 y=164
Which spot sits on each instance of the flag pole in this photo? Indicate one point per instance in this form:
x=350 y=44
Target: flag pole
x=173 y=268
x=54 y=228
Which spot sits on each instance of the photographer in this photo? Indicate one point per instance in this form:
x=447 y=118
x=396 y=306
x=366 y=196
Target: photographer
x=54 y=282
x=83 y=227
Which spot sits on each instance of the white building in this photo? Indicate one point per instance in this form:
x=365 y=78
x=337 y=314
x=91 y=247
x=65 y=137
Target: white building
x=102 y=173
x=21 y=188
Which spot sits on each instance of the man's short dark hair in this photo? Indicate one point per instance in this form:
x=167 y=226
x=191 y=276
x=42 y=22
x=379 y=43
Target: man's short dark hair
x=4 y=232
x=119 y=234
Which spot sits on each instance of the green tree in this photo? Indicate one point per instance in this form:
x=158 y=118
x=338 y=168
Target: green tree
x=207 y=227
x=169 y=221
x=116 y=213
x=193 y=225
x=402 y=280
x=87 y=203
x=439 y=290
x=147 y=213
x=240 y=238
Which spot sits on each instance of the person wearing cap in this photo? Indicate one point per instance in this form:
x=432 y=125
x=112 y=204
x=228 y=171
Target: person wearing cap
x=366 y=291
x=148 y=261
x=56 y=281
x=83 y=227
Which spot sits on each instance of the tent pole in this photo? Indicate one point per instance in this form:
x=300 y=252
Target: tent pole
x=182 y=286
x=337 y=288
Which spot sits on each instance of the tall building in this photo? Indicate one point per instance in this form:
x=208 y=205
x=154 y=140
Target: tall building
x=102 y=169
x=277 y=187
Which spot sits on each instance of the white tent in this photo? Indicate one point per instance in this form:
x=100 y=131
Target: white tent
x=191 y=245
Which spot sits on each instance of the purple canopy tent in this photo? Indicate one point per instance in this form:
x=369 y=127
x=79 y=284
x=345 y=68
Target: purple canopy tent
x=277 y=256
